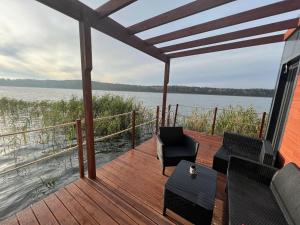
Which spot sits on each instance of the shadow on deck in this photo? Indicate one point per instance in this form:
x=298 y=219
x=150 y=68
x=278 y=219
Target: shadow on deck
x=128 y=190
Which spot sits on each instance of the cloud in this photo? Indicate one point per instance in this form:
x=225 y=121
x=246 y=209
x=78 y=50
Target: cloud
x=38 y=42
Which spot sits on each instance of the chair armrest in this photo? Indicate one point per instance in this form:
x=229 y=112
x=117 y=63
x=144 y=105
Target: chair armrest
x=251 y=169
x=160 y=147
x=191 y=143
x=241 y=143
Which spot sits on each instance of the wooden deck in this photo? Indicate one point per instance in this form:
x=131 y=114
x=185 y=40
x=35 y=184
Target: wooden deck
x=127 y=190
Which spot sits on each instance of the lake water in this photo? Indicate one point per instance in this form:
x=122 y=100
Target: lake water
x=147 y=98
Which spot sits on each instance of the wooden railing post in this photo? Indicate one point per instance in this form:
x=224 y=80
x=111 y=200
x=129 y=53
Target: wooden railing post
x=80 y=148
x=214 y=121
x=165 y=92
x=133 y=130
x=175 y=116
x=262 y=125
x=168 y=119
x=157 y=120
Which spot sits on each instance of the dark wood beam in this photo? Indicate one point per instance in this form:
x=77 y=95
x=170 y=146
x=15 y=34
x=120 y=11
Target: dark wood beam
x=79 y=11
x=86 y=67
x=234 y=45
x=253 y=14
x=165 y=92
x=176 y=14
x=112 y=6
x=269 y=28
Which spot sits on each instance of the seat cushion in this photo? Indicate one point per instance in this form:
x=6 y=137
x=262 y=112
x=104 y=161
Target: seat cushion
x=285 y=186
x=220 y=161
x=250 y=202
x=178 y=151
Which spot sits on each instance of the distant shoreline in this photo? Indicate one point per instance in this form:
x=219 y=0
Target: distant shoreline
x=76 y=84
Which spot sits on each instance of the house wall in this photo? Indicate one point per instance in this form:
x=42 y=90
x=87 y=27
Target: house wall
x=290 y=145
x=289 y=150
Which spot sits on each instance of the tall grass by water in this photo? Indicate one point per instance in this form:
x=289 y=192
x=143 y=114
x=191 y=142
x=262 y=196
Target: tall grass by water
x=236 y=119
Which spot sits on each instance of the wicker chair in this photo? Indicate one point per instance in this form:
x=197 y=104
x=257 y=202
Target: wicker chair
x=173 y=146
x=261 y=194
x=247 y=147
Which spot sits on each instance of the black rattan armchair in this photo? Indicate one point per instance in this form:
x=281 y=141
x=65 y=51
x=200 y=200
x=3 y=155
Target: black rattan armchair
x=244 y=146
x=262 y=194
x=173 y=146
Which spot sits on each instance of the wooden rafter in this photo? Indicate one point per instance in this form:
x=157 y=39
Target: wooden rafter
x=254 y=14
x=264 y=29
x=175 y=14
x=81 y=12
x=112 y=6
x=234 y=45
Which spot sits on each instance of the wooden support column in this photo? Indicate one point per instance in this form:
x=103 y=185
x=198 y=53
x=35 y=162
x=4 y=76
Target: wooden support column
x=86 y=67
x=165 y=91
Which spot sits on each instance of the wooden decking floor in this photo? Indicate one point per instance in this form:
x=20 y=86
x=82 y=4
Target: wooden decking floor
x=128 y=190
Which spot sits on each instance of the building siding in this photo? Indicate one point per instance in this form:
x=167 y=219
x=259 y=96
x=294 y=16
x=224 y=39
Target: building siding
x=290 y=145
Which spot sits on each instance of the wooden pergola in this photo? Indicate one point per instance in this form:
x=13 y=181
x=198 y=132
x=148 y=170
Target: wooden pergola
x=99 y=19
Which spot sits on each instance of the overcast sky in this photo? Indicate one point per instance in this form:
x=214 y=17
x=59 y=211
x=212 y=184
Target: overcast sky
x=40 y=43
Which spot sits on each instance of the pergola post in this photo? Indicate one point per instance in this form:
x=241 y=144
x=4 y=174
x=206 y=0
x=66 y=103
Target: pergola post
x=165 y=92
x=86 y=67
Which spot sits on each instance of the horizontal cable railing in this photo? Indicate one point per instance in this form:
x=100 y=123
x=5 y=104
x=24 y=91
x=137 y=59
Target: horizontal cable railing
x=214 y=120
x=79 y=133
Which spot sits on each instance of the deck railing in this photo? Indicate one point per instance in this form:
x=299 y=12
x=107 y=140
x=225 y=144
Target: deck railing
x=217 y=120
x=135 y=120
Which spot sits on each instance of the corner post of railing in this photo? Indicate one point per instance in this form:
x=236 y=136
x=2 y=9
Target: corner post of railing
x=175 y=116
x=263 y=119
x=80 y=147
x=168 y=119
x=214 y=121
x=133 y=130
x=157 y=120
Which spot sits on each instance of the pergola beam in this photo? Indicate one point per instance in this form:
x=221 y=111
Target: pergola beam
x=264 y=29
x=176 y=14
x=235 y=45
x=247 y=16
x=112 y=6
x=79 y=11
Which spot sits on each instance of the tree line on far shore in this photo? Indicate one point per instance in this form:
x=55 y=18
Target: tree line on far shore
x=77 y=84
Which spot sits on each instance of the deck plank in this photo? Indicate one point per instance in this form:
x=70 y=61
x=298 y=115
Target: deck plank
x=10 y=221
x=75 y=209
x=104 y=202
x=127 y=190
x=91 y=207
x=43 y=214
x=60 y=212
x=26 y=217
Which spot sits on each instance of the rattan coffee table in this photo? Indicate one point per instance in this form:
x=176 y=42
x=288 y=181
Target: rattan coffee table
x=191 y=196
